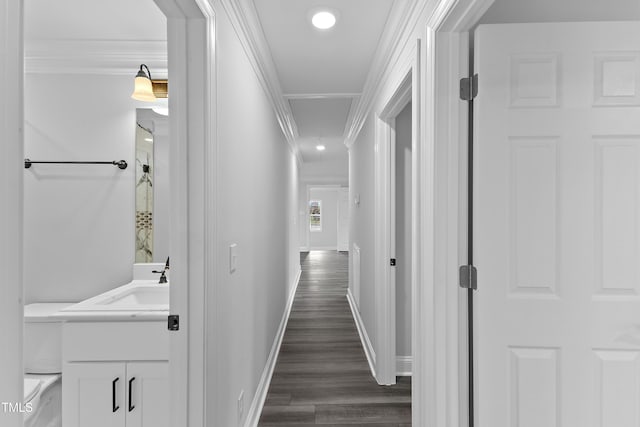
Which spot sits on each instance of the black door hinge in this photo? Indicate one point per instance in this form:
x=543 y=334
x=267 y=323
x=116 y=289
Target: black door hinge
x=468 y=277
x=393 y=262
x=469 y=88
x=173 y=322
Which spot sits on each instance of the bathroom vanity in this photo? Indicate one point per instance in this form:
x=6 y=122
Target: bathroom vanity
x=115 y=356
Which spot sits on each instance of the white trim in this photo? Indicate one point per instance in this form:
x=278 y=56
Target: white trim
x=384 y=170
x=321 y=95
x=109 y=57
x=11 y=207
x=439 y=307
x=323 y=248
x=245 y=21
x=191 y=42
x=399 y=26
x=362 y=332
x=404 y=366
x=253 y=415
x=325 y=181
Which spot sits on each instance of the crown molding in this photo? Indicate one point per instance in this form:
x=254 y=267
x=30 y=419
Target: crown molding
x=111 y=57
x=321 y=95
x=327 y=179
x=399 y=28
x=244 y=18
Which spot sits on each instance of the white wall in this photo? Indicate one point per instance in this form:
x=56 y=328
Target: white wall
x=361 y=224
x=303 y=216
x=257 y=210
x=327 y=237
x=403 y=232
x=78 y=219
x=333 y=170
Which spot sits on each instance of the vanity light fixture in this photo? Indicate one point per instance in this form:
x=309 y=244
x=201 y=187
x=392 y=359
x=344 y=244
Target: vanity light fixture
x=323 y=19
x=320 y=147
x=147 y=89
x=143 y=90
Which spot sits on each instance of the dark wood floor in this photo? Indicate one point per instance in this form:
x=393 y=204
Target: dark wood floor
x=322 y=376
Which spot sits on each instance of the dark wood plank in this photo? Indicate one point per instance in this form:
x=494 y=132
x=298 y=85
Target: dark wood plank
x=322 y=376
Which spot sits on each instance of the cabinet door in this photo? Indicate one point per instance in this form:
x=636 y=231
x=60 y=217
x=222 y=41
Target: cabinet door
x=147 y=394
x=93 y=394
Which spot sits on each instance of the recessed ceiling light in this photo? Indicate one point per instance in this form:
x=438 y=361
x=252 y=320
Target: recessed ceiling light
x=323 y=20
x=320 y=147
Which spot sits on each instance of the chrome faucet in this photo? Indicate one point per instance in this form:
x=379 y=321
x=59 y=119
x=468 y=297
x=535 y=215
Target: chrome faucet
x=163 y=273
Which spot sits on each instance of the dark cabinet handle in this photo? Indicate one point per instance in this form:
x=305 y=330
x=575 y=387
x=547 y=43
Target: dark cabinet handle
x=131 y=407
x=113 y=395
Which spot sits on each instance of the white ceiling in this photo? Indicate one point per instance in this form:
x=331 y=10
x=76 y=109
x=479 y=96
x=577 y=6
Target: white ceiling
x=321 y=117
x=309 y=60
x=322 y=72
x=335 y=149
x=94 y=20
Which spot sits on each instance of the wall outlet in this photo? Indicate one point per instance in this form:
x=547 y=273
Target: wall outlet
x=233 y=257
x=240 y=408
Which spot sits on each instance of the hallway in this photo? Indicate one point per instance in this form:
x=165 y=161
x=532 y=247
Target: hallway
x=322 y=376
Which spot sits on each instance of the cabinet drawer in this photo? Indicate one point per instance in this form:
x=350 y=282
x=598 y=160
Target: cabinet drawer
x=87 y=341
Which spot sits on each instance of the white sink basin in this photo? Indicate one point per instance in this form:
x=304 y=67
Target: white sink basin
x=139 y=295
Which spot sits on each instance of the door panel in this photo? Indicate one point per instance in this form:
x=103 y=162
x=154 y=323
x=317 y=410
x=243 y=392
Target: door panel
x=556 y=225
x=90 y=393
x=149 y=394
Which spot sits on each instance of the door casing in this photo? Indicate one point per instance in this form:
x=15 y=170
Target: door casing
x=191 y=45
x=385 y=239
x=440 y=350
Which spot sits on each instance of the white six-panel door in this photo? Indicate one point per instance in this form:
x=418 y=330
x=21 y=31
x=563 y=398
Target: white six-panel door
x=557 y=225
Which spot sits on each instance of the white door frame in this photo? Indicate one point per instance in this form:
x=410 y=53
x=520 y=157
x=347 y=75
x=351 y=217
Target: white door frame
x=191 y=42
x=440 y=307
x=192 y=127
x=11 y=209
x=384 y=219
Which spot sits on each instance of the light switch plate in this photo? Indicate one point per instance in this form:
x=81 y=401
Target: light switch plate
x=233 y=257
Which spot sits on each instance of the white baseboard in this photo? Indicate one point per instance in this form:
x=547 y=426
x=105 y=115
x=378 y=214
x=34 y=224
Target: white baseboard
x=253 y=416
x=404 y=366
x=364 y=337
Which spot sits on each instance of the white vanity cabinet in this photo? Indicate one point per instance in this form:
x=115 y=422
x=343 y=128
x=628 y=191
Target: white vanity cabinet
x=115 y=374
x=116 y=394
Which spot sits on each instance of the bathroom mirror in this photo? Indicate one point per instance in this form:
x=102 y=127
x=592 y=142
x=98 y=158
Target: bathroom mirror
x=152 y=186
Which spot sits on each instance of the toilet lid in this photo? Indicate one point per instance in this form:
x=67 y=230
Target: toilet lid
x=31 y=389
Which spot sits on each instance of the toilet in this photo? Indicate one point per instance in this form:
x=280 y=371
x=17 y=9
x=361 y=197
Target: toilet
x=43 y=365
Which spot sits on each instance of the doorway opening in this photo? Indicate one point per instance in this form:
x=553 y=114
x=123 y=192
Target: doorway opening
x=403 y=237
x=395 y=138
x=326 y=221
x=191 y=131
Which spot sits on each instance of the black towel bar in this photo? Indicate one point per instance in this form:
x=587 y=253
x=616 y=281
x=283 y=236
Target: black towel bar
x=120 y=163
